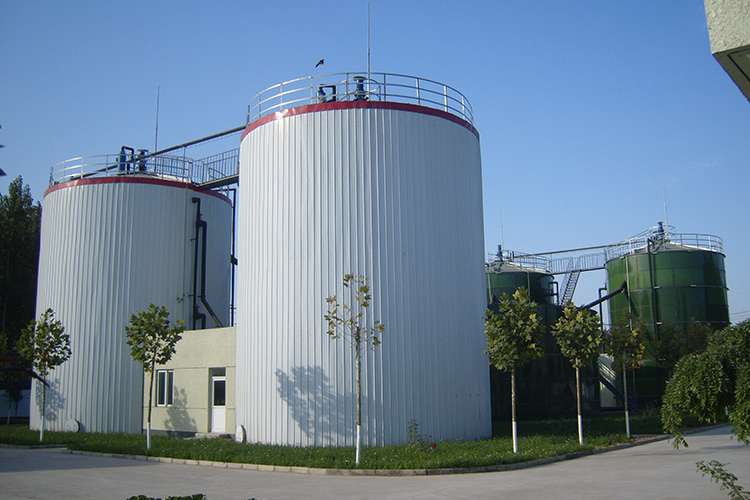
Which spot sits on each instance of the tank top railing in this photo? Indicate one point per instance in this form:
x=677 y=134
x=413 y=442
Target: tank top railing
x=361 y=86
x=140 y=163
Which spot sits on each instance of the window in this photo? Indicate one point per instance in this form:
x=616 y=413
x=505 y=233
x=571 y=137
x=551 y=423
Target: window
x=164 y=387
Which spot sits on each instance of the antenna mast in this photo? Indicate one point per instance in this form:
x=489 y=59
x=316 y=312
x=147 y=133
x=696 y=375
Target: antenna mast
x=368 y=43
x=156 y=131
x=502 y=231
x=666 y=218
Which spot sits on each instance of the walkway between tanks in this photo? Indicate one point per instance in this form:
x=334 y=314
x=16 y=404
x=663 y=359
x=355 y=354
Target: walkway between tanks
x=654 y=470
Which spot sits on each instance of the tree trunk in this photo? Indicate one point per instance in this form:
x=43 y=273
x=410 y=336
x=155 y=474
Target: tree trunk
x=513 y=409
x=150 y=399
x=625 y=398
x=578 y=404
x=44 y=401
x=357 y=357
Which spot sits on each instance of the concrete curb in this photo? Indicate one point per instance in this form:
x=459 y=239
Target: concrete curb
x=371 y=472
x=382 y=472
x=32 y=446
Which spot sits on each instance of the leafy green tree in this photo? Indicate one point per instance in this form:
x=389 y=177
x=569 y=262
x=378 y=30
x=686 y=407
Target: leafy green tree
x=152 y=342
x=577 y=334
x=627 y=344
x=44 y=343
x=710 y=383
x=696 y=340
x=514 y=338
x=723 y=478
x=348 y=320
x=669 y=347
x=20 y=223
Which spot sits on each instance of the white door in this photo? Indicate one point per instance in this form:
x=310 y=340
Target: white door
x=218 y=403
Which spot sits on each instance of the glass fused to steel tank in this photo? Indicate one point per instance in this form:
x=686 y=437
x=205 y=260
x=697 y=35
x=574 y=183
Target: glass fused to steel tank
x=671 y=279
x=506 y=274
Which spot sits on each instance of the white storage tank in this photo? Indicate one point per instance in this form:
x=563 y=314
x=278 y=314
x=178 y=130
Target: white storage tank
x=361 y=180
x=110 y=246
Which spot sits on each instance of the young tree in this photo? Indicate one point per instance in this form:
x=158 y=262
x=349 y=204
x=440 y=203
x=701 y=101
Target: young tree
x=627 y=344
x=577 y=333
x=152 y=342
x=514 y=338
x=710 y=383
x=47 y=346
x=349 y=320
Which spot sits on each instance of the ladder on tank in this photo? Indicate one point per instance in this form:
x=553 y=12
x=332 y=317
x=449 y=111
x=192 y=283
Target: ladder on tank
x=571 y=280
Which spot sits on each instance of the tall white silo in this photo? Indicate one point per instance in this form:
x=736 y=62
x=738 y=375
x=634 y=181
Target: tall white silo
x=110 y=246
x=361 y=182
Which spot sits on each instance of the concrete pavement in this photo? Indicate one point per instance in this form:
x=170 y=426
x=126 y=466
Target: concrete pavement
x=653 y=470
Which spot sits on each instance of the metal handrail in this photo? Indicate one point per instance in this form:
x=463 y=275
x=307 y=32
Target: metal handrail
x=162 y=166
x=690 y=240
x=598 y=260
x=359 y=86
x=523 y=261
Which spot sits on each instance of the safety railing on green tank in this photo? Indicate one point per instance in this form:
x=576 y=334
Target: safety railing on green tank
x=495 y=260
x=683 y=240
x=361 y=86
x=140 y=163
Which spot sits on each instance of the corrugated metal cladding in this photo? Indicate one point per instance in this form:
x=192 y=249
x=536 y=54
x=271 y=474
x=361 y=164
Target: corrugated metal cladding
x=393 y=194
x=109 y=248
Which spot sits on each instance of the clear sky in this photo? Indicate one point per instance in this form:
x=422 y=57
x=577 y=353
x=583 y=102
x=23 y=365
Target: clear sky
x=588 y=111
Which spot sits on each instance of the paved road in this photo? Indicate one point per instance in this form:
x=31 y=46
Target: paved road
x=654 y=470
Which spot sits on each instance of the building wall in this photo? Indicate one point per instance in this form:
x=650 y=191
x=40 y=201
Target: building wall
x=729 y=31
x=197 y=352
x=728 y=24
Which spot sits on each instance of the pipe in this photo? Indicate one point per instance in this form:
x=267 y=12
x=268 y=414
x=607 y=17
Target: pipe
x=201 y=224
x=622 y=288
x=232 y=257
x=197 y=315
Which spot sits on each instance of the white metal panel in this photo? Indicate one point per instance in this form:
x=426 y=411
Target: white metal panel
x=110 y=248
x=388 y=193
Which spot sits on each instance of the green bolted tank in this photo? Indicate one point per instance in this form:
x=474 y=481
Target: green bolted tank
x=506 y=276
x=671 y=279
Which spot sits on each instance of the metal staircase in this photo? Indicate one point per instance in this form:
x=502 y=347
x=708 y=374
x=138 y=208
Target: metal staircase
x=571 y=280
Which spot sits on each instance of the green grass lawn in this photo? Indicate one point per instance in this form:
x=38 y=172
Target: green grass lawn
x=537 y=439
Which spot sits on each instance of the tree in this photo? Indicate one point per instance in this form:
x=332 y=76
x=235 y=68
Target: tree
x=697 y=337
x=152 y=342
x=20 y=220
x=13 y=376
x=349 y=320
x=577 y=334
x=712 y=383
x=670 y=347
x=47 y=346
x=514 y=338
x=627 y=344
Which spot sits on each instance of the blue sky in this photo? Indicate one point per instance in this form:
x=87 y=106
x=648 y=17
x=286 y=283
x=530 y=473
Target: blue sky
x=587 y=110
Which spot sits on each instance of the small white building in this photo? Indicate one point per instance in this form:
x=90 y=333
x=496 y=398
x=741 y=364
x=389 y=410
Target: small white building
x=194 y=393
